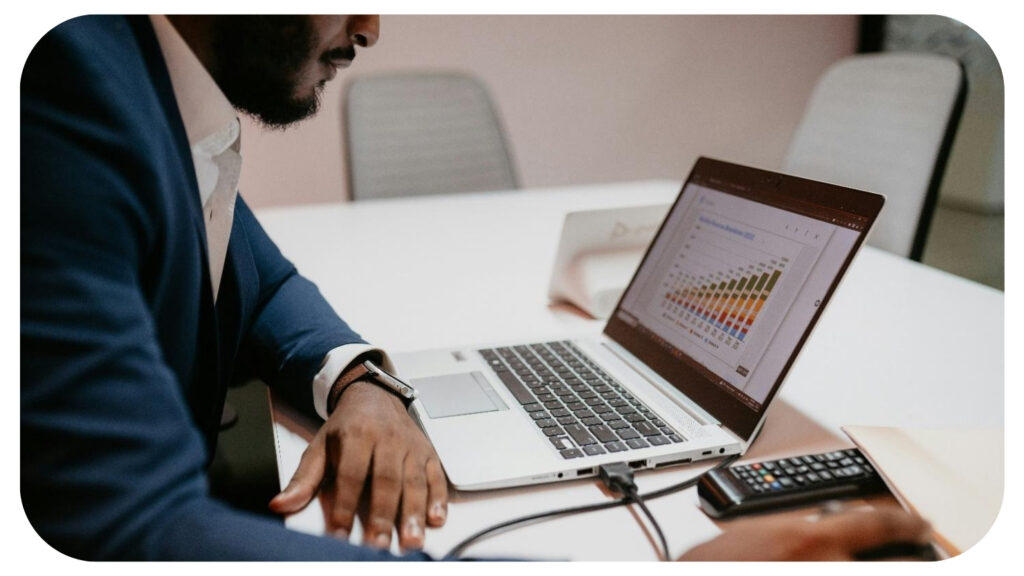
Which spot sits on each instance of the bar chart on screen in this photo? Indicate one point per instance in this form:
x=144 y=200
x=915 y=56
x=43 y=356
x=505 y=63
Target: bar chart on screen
x=722 y=278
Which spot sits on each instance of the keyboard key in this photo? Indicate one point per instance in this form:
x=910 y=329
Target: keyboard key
x=593 y=450
x=533 y=407
x=545 y=423
x=580 y=435
x=539 y=415
x=566 y=420
x=558 y=413
x=520 y=392
x=571 y=453
x=553 y=431
x=561 y=442
x=592 y=421
x=618 y=424
x=628 y=434
x=615 y=447
x=646 y=429
x=602 y=409
x=658 y=440
x=636 y=443
x=603 y=433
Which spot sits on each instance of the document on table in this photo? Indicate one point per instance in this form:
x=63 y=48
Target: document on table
x=952 y=478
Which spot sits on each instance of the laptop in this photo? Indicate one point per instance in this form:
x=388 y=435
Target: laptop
x=598 y=252
x=687 y=364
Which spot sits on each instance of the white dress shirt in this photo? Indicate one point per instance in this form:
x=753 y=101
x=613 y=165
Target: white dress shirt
x=214 y=135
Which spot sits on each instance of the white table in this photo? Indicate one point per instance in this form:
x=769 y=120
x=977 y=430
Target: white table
x=901 y=344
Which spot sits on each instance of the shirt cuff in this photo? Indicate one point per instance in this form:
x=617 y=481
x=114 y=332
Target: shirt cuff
x=334 y=364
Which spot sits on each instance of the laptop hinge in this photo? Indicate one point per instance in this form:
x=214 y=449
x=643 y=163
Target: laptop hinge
x=664 y=386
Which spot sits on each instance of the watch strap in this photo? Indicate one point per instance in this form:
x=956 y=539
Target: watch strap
x=348 y=378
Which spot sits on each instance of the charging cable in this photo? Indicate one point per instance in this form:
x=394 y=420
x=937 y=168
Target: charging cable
x=618 y=477
x=604 y=471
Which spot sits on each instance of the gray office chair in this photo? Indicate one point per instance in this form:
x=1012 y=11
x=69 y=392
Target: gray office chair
x=884 y=123
x=409 y=134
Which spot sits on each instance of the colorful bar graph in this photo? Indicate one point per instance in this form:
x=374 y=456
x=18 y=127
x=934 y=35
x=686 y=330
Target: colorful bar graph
x=727 y=300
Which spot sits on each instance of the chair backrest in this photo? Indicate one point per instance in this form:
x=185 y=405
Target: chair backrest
x=884 y=123
x=423 y=133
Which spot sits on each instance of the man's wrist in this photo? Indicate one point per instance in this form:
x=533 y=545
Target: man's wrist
x=373 y=374
x=350 y=375
x=337 y=362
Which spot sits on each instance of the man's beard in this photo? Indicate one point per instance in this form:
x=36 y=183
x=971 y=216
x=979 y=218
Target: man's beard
x=257 y=61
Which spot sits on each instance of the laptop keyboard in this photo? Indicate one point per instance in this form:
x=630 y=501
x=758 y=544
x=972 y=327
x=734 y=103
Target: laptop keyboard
x=579 y=407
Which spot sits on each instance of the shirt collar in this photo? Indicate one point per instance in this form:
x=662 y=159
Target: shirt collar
x=205 y=110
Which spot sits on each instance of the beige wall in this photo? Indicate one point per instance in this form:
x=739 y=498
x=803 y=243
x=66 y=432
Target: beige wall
x=585 y=98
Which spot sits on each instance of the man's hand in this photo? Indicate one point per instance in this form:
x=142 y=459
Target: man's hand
x=837 y=537
x=370 y=443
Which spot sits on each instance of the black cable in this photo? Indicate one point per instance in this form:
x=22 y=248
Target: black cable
x=634 y=496
x=459 y=548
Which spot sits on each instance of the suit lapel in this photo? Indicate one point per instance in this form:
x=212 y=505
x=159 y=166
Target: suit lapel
x=205 y=393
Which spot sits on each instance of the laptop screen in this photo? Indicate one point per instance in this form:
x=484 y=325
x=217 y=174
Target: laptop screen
x=734 y=281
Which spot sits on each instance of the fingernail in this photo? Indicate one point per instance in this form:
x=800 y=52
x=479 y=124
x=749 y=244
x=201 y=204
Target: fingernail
x=437 y=511
x=341 y=534
x=413 y=530
x=382 y=541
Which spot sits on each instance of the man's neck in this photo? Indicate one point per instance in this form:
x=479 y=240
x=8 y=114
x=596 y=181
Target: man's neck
x=197 y=31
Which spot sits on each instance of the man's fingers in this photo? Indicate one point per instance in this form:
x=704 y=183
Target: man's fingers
x=304 y=483
x=437 y=489
x=858 y=531
x=414 y=504
x=385 y=491
x=346 y=472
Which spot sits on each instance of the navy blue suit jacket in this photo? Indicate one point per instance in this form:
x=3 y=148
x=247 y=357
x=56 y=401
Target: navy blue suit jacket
x=125 y=359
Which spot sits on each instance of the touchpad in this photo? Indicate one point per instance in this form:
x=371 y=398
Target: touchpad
x=457 y=395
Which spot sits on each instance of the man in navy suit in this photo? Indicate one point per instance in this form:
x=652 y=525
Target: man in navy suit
x=147 y=286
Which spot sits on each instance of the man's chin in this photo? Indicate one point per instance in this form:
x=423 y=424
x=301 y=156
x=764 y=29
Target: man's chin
x=284 y=115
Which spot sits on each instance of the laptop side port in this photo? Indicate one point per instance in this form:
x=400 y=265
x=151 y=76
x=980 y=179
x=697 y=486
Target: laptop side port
x=637 y=464
x=584 y=472
x=673 y=462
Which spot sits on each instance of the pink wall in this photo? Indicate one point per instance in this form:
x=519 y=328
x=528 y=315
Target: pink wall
x=585 y=98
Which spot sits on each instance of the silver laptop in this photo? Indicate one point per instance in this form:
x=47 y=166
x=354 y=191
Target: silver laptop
x=687 y=364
